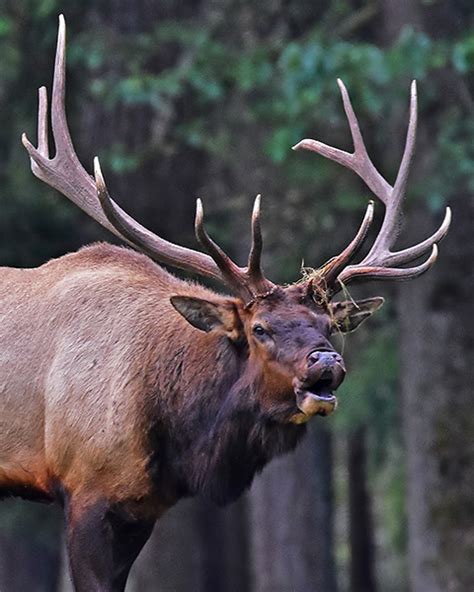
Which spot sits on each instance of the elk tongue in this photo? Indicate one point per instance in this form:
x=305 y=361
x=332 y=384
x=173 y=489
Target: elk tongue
x=325 y=394
x=323 y=402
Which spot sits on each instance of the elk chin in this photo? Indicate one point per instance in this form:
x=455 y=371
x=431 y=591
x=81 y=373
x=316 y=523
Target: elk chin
x=317 y=401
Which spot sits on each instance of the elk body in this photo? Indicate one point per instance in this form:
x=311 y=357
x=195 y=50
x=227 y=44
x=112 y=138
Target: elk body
x=124 y=388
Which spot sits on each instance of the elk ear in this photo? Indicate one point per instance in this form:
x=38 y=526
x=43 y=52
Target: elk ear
x=348 y=315
x=207 y=316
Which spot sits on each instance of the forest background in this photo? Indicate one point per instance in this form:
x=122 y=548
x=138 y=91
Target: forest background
x=205 y=98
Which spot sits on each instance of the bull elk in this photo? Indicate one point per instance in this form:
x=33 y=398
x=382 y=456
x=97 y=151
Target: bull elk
x=124 y=388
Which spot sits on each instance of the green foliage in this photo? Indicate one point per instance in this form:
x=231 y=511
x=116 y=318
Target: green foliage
x=463 y=55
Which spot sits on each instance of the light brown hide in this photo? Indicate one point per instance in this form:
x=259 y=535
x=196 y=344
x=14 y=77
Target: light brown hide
x=80 y=366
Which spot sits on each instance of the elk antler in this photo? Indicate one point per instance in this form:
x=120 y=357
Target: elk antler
x=380 y=262
x=250 y=277
x=65 y=173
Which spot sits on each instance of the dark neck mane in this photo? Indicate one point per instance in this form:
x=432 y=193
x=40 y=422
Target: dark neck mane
x=238 y=449
x=225 y=439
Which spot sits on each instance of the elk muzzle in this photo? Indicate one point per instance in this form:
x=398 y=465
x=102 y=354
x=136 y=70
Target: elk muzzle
x=315 y=392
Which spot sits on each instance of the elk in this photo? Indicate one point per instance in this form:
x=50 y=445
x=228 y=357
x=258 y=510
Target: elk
x=124 y=388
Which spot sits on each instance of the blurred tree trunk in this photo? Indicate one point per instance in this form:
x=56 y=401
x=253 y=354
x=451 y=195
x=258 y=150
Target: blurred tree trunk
x=437 y=374
x=361 y=533
x=223 y=534
x=291 y=508
x=172 y=558
x=437 y=377
x=20 y=572
x=195 y=546
x=29 y=555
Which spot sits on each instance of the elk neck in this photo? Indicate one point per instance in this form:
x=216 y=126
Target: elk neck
x=213 y=435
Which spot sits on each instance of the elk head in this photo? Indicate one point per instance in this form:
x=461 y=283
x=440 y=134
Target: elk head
x=285 y=330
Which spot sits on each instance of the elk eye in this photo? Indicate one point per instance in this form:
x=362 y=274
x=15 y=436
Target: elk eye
x=258 y=330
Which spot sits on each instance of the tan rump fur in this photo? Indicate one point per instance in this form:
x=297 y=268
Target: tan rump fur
x=81 y=336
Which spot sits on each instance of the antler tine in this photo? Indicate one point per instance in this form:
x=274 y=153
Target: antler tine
x=363 y=164
x=411 y=253
x=77 y=185
x=390 y=226
x=255 y=255
x=334 y=266
x=380 y=262
x=246 y=281
x=365 y=271
x=64 y=146
x=402 y=177
x=228 y=268
x=380 y=256
x=357 y=161
x=43 y=147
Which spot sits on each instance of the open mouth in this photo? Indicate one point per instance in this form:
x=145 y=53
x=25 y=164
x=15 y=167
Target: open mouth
x=321 y=390
x=316 y=399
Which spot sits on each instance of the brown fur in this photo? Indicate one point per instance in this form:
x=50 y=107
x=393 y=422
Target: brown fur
x=81 y=342
x=108 y=391
x=114 y=403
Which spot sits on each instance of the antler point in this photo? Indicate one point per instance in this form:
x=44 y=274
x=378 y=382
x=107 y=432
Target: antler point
x=27 y=144
x=99 y=177
x=199 y=211
x=306 y=144
x=342 y=87
x=370 y=209
x=446 y=223
x=256 y=209
x=297 y=146
x=62 y=26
